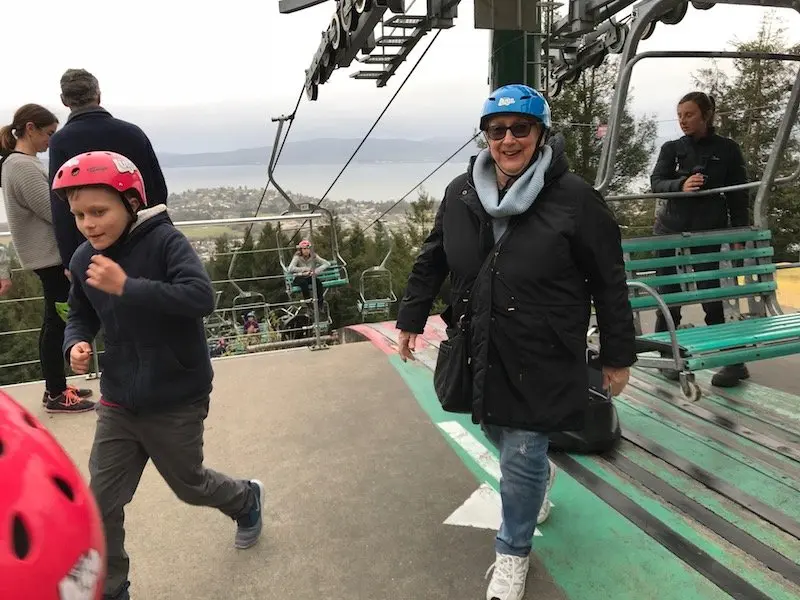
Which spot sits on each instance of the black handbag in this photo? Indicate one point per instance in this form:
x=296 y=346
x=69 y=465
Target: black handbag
x=601 y=430
x=452 y=377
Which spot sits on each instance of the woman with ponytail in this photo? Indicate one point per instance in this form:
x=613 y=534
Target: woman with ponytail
x=26 y=194
x=700 y=160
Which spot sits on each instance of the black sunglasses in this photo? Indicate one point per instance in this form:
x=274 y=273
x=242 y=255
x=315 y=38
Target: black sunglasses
x=518 y=130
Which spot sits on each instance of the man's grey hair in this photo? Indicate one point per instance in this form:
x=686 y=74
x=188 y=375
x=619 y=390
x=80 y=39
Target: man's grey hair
x=79 y=88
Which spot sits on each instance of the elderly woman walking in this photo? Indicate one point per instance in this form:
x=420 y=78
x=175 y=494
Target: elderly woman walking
x=528 y=246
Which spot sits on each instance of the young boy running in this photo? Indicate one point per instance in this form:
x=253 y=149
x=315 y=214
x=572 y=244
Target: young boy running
x=139 y=278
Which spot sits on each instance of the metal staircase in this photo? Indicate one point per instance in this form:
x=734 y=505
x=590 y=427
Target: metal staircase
x=392 y=49
x=351 y=36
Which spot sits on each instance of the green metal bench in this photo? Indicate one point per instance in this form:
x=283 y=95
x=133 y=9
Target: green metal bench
x=333 y=276
x=759 y=333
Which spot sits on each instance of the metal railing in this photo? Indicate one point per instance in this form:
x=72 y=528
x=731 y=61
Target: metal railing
x=316 y=325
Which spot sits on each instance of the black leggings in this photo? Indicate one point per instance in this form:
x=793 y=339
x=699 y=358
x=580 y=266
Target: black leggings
x=715 y=312
x=304 y=283
x=51 y=337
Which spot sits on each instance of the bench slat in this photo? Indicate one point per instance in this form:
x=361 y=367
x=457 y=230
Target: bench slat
x=743 y=355
x=694 y=239
x=647 y=264
x=723 y=293
x=735 y=334
x=659 y=280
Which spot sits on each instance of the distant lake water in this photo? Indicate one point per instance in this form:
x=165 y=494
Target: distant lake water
x=363 y=182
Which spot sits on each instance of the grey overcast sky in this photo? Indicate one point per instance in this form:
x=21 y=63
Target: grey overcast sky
x=201 y=75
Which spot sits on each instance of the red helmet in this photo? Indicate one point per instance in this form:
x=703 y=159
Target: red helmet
x=52 y=544
x=304 y=244
x=100 y=168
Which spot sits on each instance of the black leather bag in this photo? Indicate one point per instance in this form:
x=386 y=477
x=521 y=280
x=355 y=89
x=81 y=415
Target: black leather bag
x=601 y=430
x=452 y=378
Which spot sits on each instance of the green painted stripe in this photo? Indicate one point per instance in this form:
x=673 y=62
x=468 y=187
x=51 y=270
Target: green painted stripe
x=757 y=401
x=717 y=548
x=745 y=459
x=592 y=551
x=728 y=510
x=744 y=477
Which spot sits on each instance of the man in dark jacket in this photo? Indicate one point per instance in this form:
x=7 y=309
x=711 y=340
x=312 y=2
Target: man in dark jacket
x=528 y=246
x=91 y=127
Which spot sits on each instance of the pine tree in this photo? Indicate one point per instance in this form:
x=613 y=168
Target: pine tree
x=581 y=108
x=420 y=217
x=578 y=112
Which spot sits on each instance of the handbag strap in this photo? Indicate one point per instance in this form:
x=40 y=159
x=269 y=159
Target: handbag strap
x=487 y=261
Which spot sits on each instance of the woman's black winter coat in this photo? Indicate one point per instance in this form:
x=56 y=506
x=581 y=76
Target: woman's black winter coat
x=531 y=307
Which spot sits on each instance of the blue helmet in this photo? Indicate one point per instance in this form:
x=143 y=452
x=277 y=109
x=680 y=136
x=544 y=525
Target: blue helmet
x=516 y=99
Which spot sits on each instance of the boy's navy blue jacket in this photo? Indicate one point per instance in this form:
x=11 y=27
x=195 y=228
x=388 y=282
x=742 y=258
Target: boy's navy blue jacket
x=95 y=129
x=156 y=354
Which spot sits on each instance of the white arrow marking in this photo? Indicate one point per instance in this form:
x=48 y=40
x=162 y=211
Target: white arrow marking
x=483 y=509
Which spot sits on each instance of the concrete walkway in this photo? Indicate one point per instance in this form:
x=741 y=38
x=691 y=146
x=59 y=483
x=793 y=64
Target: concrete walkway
x=359 y=483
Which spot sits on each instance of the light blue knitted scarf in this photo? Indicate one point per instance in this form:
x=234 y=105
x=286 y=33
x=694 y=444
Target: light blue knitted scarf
x=518 y=198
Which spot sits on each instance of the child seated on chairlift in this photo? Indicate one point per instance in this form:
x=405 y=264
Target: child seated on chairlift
x=304 y=262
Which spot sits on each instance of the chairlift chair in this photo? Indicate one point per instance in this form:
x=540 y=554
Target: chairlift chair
x=246 y=302
x=380 y=278
x=334 y=276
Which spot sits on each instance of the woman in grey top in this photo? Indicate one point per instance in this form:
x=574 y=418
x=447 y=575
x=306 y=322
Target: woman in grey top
x=27 y=199
x=304 y=262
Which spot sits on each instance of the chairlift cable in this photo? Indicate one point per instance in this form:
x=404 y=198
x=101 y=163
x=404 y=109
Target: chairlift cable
x=428 y=176
x=289 y=129
x=278 y=157
x=374 y=125
x=249 y=229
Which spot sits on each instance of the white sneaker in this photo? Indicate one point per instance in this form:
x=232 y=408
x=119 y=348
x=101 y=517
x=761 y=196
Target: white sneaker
x=508 y=579
x=544 y=511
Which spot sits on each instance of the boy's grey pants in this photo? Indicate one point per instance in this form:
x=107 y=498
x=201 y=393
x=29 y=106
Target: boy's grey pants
x=173 y=440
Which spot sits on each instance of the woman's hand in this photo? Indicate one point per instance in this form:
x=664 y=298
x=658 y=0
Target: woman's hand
x=408 y=344
x=615 y=379
x=694 y=183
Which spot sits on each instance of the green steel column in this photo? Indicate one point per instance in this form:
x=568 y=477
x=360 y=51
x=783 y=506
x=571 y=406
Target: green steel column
x=516 y=57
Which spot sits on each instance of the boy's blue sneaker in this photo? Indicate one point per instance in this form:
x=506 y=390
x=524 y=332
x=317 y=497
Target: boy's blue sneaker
x=122 y=593
x=249 y=526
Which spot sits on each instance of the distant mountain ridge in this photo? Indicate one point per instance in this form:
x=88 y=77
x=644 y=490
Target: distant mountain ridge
x=328 y=151
x=334 y=151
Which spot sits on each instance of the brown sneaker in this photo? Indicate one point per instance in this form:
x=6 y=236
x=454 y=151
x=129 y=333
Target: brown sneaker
x=68 y=402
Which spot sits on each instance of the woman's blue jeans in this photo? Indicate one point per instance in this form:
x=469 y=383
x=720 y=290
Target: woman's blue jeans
x=524 y=471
